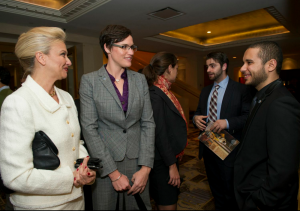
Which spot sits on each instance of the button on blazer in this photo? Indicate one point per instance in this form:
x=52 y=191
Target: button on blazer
x=110 y=134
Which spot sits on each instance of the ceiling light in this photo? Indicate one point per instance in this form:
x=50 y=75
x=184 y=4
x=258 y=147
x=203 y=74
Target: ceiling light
x=208 y=32
x=9 y=64
x=234 y=57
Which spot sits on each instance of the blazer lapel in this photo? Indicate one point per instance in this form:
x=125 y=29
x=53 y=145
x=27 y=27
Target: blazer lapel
x=104 y=78
x=227 y=98
x=248 y=123
x=206 y=96
x=131 y=90
x=167 y=100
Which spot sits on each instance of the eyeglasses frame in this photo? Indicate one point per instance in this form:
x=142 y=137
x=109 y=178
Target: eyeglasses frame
x=127 y=49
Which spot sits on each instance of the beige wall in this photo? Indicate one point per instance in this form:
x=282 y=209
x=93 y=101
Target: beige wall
x=291 y=62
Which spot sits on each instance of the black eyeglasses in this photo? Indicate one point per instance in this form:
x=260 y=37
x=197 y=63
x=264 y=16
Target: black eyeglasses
x=126 y=47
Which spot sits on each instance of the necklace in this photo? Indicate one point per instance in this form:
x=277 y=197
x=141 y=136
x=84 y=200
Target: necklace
x=117 y=80
x=53 y=93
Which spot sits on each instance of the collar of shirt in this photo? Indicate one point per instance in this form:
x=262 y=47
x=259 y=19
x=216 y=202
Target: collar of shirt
x=4 y=87
x=260 y=93
x=223 y=84
x=123 y=75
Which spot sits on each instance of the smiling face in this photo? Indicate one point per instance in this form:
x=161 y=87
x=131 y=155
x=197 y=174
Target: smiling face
x=120 y=57
x=57 y=61
x=253 y=70
x=215 y=71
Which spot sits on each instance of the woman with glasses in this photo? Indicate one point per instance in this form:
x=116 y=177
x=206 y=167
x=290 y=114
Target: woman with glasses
x=117 y=123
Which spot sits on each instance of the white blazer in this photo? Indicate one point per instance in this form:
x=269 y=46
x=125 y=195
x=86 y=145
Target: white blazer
x=26 y=111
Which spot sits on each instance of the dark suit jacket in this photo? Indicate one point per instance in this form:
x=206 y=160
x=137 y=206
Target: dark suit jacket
x=235 y=108
x=266 y=166
x=170 y=131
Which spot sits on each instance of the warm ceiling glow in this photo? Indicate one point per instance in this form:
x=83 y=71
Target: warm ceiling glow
x=234 y=57
x=208 y=32
x=253 y=24
x=53 y=4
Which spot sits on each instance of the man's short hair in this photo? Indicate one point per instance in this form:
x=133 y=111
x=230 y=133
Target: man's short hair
x=4 y=76
x=219 y=57
x=269 y=50
x=113 y=34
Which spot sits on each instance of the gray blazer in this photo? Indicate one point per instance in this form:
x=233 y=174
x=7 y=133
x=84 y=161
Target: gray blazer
x=108 y=132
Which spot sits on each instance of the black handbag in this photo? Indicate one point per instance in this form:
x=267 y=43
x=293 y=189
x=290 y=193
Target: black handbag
x=93 y=163
x=44 y=156
x=44 y=152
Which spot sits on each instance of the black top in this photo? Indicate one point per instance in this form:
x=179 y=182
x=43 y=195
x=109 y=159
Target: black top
x=170 y=131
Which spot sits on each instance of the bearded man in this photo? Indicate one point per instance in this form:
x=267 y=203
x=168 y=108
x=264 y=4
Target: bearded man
x=266 y=166
x=226 y=103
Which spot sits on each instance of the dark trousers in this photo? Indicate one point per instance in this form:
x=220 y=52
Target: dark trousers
x=220 y=179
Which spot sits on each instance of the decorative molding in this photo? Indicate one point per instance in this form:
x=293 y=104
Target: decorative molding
x=246 y=38
x=69 y=12
x=198 y=47
x=275 y=14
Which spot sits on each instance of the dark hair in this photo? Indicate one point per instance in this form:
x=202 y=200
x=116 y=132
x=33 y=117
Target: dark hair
x=269 y=50
x=112 y=34
x=4 y=76
x=158 y=65
x=219 y=57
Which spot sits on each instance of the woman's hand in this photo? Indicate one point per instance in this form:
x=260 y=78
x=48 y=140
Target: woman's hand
x=119 y=181
x=174 y=176
x=139 y=180
x=83 y=175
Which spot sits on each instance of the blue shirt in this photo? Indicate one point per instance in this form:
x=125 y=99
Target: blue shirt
x=221 y=91
x=4 y=87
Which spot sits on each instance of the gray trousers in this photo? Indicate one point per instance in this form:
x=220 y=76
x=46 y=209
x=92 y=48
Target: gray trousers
x=105 y=196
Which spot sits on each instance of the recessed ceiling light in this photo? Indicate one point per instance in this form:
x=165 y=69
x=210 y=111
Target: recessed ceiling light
x=208 y=32
x=9 y=64
x=234 y=57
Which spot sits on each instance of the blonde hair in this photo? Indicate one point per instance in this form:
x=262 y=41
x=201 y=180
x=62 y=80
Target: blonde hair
x=34 y=40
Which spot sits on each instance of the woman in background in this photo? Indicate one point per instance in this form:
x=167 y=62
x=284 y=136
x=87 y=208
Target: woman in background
x=170 y=132
x=40 y=106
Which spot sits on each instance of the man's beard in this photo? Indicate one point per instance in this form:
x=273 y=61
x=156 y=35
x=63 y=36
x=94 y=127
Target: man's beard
x=258 y=77
x=217 y=75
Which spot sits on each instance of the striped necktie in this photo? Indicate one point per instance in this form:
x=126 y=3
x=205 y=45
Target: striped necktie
x=212 y=116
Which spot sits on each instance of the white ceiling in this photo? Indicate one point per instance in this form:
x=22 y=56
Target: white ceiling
x=133 y=14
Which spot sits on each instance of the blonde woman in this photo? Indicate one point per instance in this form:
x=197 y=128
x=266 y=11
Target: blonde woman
x=40 y=106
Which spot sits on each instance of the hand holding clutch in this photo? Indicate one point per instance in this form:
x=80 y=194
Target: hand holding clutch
x=84 y=175
x=93 y=163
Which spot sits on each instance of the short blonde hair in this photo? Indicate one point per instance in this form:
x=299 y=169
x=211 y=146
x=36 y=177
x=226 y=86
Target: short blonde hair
x=34 y=40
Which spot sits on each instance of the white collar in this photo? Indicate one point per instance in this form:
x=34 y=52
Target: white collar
x=45 y=99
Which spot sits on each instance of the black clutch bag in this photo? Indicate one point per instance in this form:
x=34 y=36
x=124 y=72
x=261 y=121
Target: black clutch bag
x=93 y=163
x=44 y=152
x=44 y=155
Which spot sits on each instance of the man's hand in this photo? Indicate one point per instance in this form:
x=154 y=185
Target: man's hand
x=139 y=180
x=219 y=125
x=200 y=122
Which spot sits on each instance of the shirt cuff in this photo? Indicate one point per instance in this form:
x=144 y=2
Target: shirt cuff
x=227 y=124
x=193 y=119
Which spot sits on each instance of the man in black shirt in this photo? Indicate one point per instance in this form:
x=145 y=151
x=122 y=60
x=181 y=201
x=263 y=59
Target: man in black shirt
x=266 y=165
